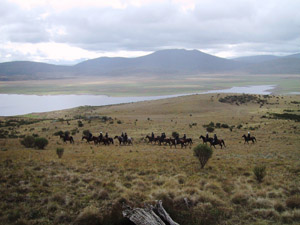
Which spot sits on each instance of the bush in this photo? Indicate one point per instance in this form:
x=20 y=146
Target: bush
x=175 y=134
x=59 y=152
x=86 y=132
x=28 y=141
x=40 y=143
x=210 y=129
x=80 y=124
x=58 y=133
x=293 y=202
x=203 y=153
x=224 y=125
x=259 y=172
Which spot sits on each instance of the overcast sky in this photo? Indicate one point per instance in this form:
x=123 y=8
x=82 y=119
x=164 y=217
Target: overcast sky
x=67 y=31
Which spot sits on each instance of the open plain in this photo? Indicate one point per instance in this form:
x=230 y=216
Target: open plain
x=89 y=184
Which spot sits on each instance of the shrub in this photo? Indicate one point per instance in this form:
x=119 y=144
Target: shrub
x=58 y=133
x=210 y=129
x=40 y=143
x=175 y=134
x=89 y=216
x=59 y=152
x=224 y=125
x=80 y=124
x=203 y=153
x=293 y=202
x=28 y=142
x=259 y=172
x=86 y=132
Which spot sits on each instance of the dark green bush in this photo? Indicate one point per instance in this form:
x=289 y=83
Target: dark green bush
x=58 y=133
x=203 y=153
x=59 y=152
x=28 y=141
x=175 y=134
x=259 y=172
x=40 y=143
x=86 y=132
x=210 y=129
x=224 y=125
x=80 y=124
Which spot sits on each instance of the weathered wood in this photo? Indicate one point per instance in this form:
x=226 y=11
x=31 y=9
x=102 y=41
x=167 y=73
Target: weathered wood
x=150 y=215
x=163 y=213
x=142 y=216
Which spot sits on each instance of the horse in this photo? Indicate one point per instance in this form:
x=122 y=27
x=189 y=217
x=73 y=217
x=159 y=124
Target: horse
x=67 y=138
x=122 y=140
x=151 y=139
x=89 y=139
x=217 y=142
x=205 y=140
x=189 y=141
x=247 y=139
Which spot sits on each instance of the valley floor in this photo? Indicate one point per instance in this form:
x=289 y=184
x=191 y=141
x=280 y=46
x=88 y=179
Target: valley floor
x=89 y=184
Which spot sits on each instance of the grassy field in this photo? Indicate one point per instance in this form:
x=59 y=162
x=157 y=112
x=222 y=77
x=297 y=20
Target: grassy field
x=89 y=184
x=136 y=86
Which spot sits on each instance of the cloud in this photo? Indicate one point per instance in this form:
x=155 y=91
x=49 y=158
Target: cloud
x=224 y=28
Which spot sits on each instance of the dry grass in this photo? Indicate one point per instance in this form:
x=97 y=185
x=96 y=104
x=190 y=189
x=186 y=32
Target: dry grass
x=90 y=183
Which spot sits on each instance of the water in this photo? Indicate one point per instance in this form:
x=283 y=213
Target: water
x=13 y=104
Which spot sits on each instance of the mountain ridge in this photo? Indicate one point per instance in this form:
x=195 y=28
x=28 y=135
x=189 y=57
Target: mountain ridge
x=164 y=62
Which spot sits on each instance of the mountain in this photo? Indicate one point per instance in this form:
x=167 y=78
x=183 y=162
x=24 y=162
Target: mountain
x=161 y=63
x=256 y=58
x=31 y=70
x=175 y=61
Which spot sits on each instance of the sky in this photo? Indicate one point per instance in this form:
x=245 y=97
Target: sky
x=70 y=31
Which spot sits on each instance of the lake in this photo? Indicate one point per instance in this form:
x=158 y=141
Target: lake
x=15 y=104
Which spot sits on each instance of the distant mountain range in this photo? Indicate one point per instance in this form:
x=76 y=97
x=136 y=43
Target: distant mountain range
x=161 y=63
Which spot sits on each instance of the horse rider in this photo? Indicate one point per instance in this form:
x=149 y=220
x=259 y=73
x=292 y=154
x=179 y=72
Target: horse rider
x=122 y=135
x=249 y=135
x=101 y=136
x=207 y=137
x=215 y=138
x=184 y=137
x=106 y=135
x=163 y=135
x=152 y=135
x=125 y=137
x=90 y=135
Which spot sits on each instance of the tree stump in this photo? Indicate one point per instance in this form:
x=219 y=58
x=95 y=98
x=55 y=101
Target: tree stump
x=150 y=215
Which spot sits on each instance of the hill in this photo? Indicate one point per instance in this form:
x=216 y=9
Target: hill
x=161 y=63
x=90 y=183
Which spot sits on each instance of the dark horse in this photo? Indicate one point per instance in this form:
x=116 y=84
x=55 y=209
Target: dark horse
x=123 y=141
x=205 y=140
x=247 y=139
x=151 y=139
x=67 y=138
x=89 y=139
x=217 y=142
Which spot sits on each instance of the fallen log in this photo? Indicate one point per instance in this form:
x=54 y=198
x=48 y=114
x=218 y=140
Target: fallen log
x=150 y=215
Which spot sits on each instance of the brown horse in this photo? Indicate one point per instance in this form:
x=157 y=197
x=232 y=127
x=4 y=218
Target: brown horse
x=218 y=142
x=247 y=139
x=67 y=138
x=205 y=140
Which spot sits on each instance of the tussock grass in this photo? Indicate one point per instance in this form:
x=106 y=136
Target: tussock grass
x=90 y=183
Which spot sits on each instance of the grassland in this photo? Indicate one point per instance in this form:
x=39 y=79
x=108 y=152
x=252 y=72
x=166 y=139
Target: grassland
x=89 y=183
x=137 y=86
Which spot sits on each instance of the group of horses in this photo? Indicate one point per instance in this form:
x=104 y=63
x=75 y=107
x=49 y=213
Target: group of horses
x=170 y=141
x=100 y=139
x=183 y=142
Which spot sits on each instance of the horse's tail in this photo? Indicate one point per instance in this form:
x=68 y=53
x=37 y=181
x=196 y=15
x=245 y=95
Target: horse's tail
x=223 y=143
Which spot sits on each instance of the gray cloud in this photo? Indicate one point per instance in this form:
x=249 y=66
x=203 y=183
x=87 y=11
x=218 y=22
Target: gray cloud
x=239 y=27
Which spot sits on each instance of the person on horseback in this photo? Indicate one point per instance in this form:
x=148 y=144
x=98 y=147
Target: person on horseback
x=163 y=135
x=90 y=135
x=125 y=137
x=184 y=137
x=206 y=136
x=106 y=135
x=215 y=138
x=249 y=135
x=101 y=136
x=122 y=135
x=152 y=135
